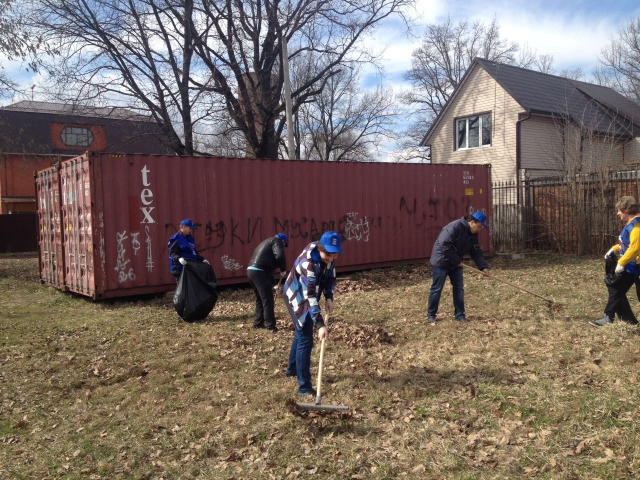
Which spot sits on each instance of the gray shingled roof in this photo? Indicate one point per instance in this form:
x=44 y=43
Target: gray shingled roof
x=75 y=110
x=599 y=108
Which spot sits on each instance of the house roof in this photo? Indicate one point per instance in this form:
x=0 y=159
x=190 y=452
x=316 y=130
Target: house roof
x=75 y=110
x=600 y=109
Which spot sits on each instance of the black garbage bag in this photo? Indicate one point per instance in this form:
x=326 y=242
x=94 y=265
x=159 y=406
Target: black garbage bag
x=611 y=278
x=196 y=293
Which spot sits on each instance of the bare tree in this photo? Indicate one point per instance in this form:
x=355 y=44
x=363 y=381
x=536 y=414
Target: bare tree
x=181 y=59
x=345 y=122
x=446 y=53
x=13 y=43
x=621 y=61
x=583 y=149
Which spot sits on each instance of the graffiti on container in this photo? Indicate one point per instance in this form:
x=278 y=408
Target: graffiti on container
x=244 y=232
x=121 y=262
x=434 y=208
x=356 y=231
x=103 y=259
x=307 y=228
x=230 y=263
x=149 y=255
x=135 y=243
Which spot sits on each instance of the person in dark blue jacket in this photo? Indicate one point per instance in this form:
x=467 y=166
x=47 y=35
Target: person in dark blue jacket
x=456 y=240
x=267 y=256
x=182 y=247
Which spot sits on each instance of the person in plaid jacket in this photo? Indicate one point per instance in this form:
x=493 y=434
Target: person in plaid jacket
x=313 y=274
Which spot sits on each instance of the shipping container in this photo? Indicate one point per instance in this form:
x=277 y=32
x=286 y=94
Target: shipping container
x=50 y=240
x=118 y=211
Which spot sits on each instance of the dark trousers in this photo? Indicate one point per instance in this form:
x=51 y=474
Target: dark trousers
x=300 y=353
x=618 y=302
x=262 y=283
x=439 y=277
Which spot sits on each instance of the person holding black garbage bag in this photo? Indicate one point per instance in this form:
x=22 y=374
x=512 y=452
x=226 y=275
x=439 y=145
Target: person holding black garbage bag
x=182 y=247
x=625 y=274
x=195 y=295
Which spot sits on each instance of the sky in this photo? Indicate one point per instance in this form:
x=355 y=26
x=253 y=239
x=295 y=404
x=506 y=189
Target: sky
x=572 y=31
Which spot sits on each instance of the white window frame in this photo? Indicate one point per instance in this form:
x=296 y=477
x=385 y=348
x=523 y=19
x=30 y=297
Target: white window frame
x=76 y=136
x=480 y=117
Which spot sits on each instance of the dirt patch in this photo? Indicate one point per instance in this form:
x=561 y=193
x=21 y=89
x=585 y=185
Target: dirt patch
x=358 y=336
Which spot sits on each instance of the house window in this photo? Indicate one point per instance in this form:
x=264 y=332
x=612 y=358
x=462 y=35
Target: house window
x=76 y=136
x=473 y=132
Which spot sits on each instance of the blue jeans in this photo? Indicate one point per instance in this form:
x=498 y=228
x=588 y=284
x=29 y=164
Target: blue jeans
x=439 y=277
x=300 y=355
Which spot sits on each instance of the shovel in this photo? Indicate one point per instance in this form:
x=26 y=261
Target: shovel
x=318 y=405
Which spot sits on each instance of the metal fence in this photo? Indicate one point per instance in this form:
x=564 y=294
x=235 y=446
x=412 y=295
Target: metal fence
x=19 y=233
x=567 y=215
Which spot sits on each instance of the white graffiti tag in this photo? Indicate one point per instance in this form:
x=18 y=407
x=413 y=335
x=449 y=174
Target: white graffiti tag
x=135 y=243
x=121 y=263
x=356 y=231
x=149 y=256
x=230 y=263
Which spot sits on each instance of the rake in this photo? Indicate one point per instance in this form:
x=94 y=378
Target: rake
x=318 y=405
x=510 y=284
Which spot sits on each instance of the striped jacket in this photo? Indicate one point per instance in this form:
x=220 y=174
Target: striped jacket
x=308 y=280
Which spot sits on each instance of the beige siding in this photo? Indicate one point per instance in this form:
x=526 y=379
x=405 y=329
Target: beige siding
x=480 y=94
x=632 y=150
x=548 y=146
x=540 y=146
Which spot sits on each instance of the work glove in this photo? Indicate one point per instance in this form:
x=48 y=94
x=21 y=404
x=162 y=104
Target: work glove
x=619 y=268
x=283 y=274
x=182 y=261
x=206 y=261
x=609 y=253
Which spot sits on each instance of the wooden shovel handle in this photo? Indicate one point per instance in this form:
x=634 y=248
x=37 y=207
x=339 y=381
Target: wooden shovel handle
x=319 y=386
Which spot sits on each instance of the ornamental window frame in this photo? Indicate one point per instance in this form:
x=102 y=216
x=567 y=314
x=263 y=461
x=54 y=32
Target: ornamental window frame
x=76 y=136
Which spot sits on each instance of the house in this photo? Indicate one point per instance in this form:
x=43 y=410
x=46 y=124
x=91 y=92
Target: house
x=35 y=135
x=530 y=123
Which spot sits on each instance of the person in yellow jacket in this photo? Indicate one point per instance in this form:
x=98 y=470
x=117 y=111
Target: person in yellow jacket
x=628 y=250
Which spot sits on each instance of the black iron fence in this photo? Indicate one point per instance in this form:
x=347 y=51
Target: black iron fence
x=567 y=215
x=19 y=233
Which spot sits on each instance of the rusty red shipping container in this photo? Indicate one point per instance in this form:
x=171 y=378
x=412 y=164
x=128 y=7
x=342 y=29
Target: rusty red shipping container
x=117 y=213
x=50 y=241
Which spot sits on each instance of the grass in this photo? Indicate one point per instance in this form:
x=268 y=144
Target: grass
x=123 y=389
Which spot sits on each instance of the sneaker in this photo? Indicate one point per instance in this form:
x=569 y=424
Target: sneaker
x=308 y=392
x=462 y=320
x=605 y=320
x=431 y=320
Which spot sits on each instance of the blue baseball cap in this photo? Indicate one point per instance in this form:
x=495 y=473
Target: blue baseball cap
x=331 y=242
x=480 y=217
x=187 y=222
x=284 y=238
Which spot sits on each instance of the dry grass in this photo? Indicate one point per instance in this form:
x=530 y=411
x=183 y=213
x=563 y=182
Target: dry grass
x=123 y=389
